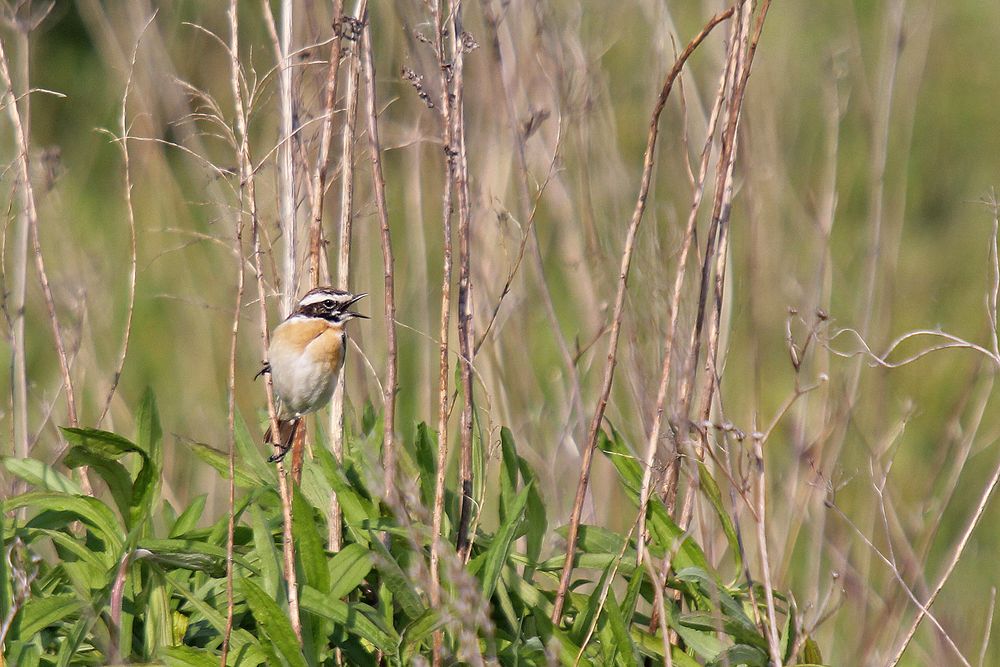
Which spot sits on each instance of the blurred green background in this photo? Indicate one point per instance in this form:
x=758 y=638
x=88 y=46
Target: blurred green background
x=868 y=149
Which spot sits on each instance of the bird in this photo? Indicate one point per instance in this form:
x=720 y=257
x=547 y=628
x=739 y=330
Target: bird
x=305 y=357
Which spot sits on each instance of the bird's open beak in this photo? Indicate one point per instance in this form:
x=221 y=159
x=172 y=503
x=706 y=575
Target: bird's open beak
x=353 y=301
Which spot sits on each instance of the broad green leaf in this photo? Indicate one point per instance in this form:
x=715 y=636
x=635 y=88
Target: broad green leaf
x=274 y=622
x=268 y=558
x=220 y=461
x=711 y=489
x=396 y=580
x=188 y=554
x=309 y=544
x=157 y=618
x=496 y=556
x=664 y=531
x=426 y=444
x=149 y=436
x=241 y=640
x=185 y=656
x=508 y=472
x=39 y=613
x=741 y=654
x=625 y=651
x=357 y=619
x=188 y=520
x=348 y=568
x=252 y=455
x=42 y=476
x=88 y=510
x=112 y=472
x=536 y=522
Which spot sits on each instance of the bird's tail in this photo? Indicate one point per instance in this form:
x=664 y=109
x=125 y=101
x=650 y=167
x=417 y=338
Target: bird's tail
x=286 y=434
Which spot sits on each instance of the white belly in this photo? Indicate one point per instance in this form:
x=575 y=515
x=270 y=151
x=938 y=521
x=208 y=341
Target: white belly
x=303 y=381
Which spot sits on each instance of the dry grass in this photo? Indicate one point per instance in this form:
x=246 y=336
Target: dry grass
x=822 y=340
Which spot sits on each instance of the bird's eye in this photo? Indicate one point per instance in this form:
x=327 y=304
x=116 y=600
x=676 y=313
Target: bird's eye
x=329 y=303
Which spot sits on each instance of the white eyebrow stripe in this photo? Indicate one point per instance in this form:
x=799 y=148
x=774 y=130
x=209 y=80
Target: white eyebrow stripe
x=319 y=297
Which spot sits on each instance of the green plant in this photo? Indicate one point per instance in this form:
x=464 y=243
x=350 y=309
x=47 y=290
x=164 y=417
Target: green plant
x=128 y=577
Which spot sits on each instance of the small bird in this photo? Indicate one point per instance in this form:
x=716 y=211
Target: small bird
x=305 y=358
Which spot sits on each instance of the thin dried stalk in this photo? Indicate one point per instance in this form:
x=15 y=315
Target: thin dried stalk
x=19 y=377
x=389 y=388
x=437 y=541
x=27 y=195
x=772 y=624
x=242 y=150
x=680 y=274
x=286 y=168
x=460 y=174
x=323 y=159
x=286 y=187
x=626 y=262
x=335 y=536
x=130 y=216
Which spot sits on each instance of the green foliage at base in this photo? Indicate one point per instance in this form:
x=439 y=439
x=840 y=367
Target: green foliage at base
x=127 y=577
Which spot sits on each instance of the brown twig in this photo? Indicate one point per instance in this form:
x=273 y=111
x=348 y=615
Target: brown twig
x=609 y=368
x=389 y=388
x=698 y=187
x=460 y=173
x=281 y=42
x=323 y=159
x=437 y=540
x=28 y=202
x=335 y=536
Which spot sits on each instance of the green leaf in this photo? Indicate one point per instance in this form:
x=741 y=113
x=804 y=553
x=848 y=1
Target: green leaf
x=269 y=560
x=39 y=613
x=309 y=544
x=741 y=654
x=220 y=461
x=88 y=510
x=811 y=653
x=426 y=455
x=274 y=622
x=357 y=619
x=113 y=473
x=188 y=520
x=188 y=554
x=664 y=532
x=624 y=648
x=157 y=618
x=396 y=581
x=348 y=568
x=508 y=472
x=536 y=522
x=184 y=656
x=497 y=555
x=711 y=489
x=41 y=475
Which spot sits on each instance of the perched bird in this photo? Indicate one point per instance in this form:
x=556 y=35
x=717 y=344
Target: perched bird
x=305 y=358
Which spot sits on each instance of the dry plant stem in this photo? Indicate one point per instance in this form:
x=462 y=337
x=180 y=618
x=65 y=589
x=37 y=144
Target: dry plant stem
x=609 y=368
x=457 y=153
x=378 y=181
x=242 y=158
x=323 y=159
x=437 y=539
x=130 y=213
x=27 y=196
x=19 y=376
x=989 y=627
x=952 y=562
x=765 y=565
x=335 y=536
x=675 y=304
x=286 y=169
x=247 y=181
